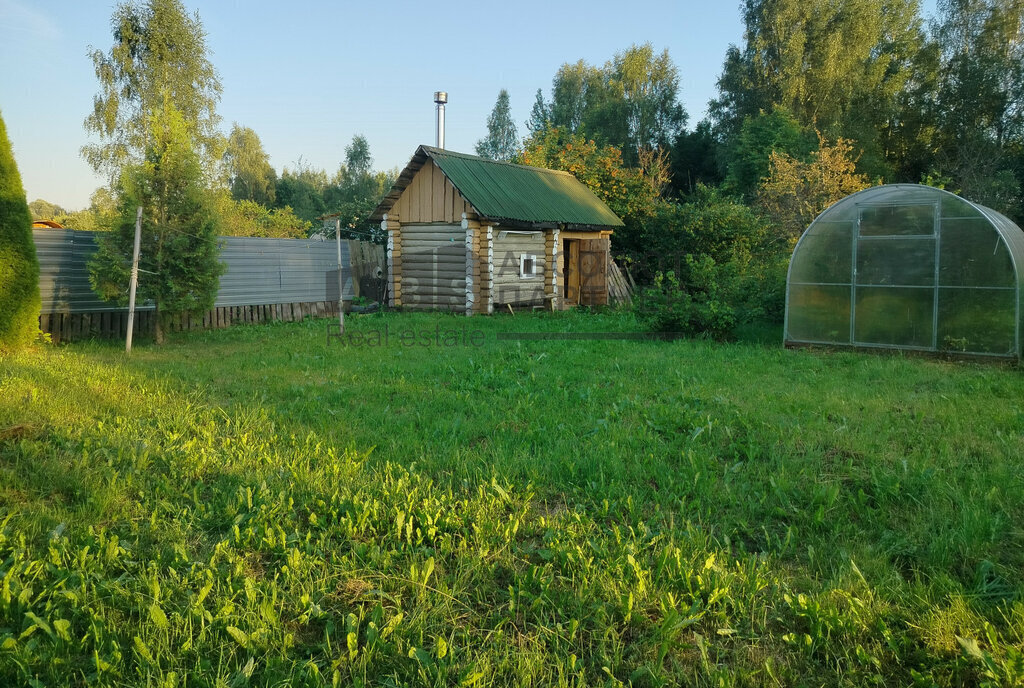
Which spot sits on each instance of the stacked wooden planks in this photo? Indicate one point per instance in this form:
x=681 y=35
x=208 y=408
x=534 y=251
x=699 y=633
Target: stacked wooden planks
x=619 y=288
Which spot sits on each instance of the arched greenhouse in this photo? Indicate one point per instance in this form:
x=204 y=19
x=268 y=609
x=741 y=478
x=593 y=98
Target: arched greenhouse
x=904 y=266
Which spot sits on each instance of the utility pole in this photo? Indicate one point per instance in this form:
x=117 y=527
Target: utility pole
x=134 y=281
x=341 y=279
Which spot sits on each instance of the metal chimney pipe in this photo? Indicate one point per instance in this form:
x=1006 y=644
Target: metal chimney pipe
x=440 y=97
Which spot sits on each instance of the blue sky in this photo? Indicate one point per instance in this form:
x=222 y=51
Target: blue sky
x=307 y=76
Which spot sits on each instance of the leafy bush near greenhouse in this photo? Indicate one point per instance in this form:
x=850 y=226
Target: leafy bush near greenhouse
x=705 y=306
x=710 y=263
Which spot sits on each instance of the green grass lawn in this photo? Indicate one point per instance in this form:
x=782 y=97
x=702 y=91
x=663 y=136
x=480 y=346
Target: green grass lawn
x=256 y=506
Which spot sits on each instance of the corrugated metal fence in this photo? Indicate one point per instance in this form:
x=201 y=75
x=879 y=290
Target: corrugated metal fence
x=265 y=279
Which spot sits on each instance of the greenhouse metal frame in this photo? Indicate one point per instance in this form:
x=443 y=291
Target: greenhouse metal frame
x=905 y=266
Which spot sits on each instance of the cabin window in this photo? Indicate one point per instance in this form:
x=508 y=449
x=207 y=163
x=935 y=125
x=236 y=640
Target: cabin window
x=527 y=265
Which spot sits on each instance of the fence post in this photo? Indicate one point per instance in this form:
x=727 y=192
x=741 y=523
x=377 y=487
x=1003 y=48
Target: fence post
x=341 y=279
x=134 y=281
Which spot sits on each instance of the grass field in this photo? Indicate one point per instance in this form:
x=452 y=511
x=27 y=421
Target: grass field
x=256 y=507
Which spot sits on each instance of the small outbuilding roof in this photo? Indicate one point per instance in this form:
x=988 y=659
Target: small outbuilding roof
x=505 y=191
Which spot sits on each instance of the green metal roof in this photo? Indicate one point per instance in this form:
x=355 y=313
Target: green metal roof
x=517 y=193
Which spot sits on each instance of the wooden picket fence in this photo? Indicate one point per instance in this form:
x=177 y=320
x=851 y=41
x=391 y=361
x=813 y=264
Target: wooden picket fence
x=65 y=327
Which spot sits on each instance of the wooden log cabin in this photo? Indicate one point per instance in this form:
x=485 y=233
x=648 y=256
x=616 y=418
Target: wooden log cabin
x=471 y=235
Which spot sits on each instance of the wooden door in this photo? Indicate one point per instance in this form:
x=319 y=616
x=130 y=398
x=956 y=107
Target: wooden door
x=572 y=272
x=593 y=262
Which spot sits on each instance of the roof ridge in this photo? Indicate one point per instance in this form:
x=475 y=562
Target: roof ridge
x=431 y=151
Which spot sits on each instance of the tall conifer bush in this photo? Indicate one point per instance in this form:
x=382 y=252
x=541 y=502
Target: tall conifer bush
x=19 y=267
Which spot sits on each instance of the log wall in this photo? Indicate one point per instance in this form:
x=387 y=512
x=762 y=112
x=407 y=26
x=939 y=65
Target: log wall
x=478 y=284
x=394 y=260
x=509 y=287
x=433 y=269
x=552 y=276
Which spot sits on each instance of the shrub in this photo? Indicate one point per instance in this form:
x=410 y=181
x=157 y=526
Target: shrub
x=704 y=304
x=716 y=226
x=19 y=267
x=711 y=224
x=764 y=289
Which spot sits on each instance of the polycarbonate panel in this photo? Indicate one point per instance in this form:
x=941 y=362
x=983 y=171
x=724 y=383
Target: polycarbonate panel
x=977 y=320
x=973 y=254
x=826 y=252
x=897 y=316
x=843 y=211
x=897 y=220
x=896 y=261
x=819 y=314
x=954 y=206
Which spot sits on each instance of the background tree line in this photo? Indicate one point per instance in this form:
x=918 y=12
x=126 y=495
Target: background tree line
x=820 y=100
x=935 y=101
x=304 y=193
x=251 y=199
